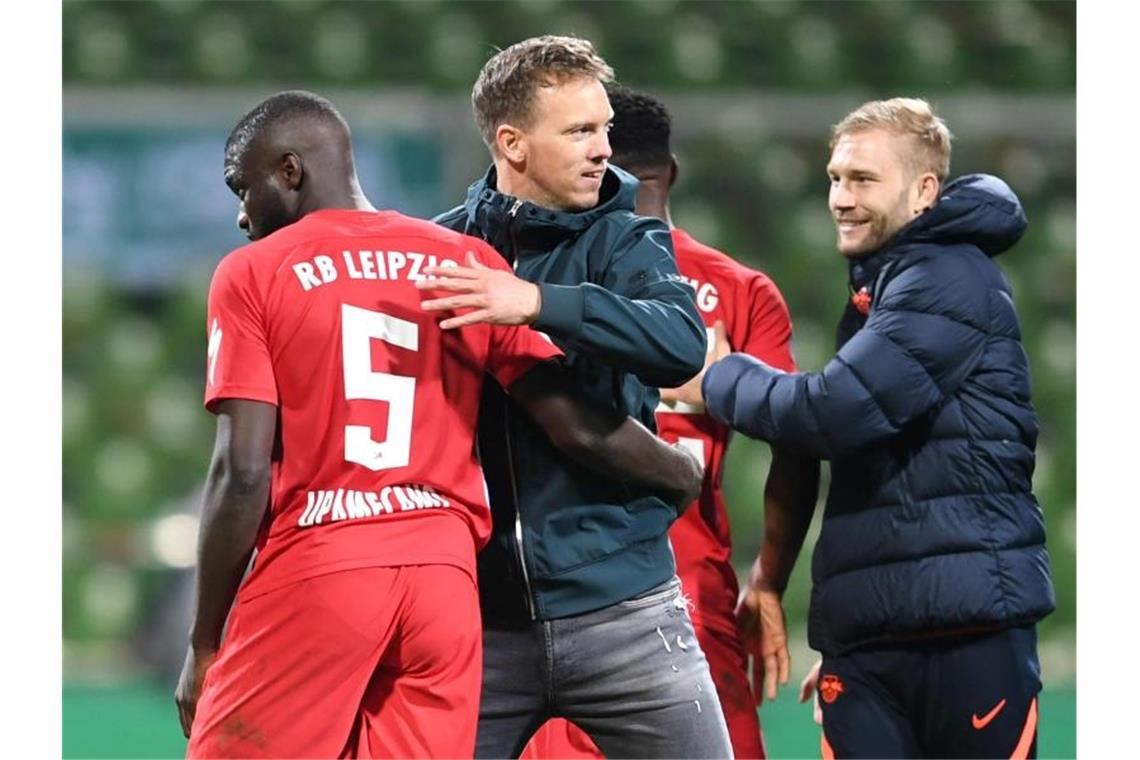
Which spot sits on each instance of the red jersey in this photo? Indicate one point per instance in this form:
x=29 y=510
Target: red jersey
x=756 y=322
x=375 y=460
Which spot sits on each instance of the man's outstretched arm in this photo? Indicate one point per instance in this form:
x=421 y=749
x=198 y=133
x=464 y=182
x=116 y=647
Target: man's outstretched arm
x=615 y=446
x=235 y=501
x=916 y=348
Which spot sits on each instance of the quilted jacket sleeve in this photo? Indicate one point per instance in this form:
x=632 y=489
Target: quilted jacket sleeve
x=924 y=335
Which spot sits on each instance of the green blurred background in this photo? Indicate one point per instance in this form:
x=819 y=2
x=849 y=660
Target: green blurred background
x=152 y=88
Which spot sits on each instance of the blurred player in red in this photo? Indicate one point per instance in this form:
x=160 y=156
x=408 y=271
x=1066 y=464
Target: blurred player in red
x=345 y=452
x=744 y=310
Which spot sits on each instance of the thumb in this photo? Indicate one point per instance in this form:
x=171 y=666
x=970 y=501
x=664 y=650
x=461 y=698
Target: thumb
x=721 y=347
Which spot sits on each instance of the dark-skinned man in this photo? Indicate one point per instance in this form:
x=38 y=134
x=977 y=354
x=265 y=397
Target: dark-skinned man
x=345 y=454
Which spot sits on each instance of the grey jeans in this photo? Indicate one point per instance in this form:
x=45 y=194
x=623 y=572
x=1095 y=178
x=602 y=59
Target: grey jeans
x=630 y=675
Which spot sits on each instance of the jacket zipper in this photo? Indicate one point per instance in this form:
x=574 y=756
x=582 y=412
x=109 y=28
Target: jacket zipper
x=518 y=515
x=514 y=234
x=510 y=452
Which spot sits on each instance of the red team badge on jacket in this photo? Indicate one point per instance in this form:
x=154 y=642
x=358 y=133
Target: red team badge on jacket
x=830 y=687
x=862 y=300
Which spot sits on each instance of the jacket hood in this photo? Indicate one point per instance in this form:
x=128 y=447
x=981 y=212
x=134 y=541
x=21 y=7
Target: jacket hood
x=977 y=208
x=486 y=206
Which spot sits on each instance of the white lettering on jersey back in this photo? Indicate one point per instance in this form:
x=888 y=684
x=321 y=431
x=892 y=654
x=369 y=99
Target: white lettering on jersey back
x=356 y=506
x=375 y=504
x=306 y=274
x=417 y=261
x=707 y=297
x=338 y=512
x=345 y=504
x=353 y=272
x=324 y=508
x=406 y=504
x=369 y=265
x=443 y=502
x=396 y=261
x=307 y=516
x=706 y=294
x=419 y=497
x=326 y=267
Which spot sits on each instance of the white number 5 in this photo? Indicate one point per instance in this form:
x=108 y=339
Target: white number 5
x=358 y=327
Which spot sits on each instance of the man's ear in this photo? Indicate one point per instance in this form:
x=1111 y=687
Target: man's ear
x=511 y=142
x=291 y=171
x=929 y=188
x=674 y=169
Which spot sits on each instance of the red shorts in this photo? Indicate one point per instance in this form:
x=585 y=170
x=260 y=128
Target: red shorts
x=374 y=662
x=559 y=738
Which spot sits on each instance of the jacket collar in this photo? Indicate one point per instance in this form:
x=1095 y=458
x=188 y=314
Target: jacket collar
x=863 y=271
x=488 y=209
x=977 y=209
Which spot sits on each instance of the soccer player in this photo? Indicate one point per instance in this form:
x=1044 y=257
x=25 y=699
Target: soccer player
x=930 y=572
x=742 y=308
x=582 y=610
x=345 y=451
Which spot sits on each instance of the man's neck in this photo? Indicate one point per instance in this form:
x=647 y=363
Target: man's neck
x=658 y=211
x=653 y=200
x=345 y=196
x=508 y=181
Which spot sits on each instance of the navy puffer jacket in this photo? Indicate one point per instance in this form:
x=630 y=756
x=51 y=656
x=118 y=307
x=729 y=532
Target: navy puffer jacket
x=931 y=525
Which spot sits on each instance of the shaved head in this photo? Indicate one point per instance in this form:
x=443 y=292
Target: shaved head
x=289 y=155
x=294 y=120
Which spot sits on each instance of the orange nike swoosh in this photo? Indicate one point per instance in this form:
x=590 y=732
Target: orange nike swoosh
x=980 y=723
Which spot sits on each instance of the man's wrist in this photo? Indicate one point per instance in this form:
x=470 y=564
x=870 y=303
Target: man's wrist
x=560 y=309
x=764 y=584
x=532 y=317
x=759 y=580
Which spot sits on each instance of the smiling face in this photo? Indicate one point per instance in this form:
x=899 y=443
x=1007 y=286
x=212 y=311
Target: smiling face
x=564 y=150
x=874 y=189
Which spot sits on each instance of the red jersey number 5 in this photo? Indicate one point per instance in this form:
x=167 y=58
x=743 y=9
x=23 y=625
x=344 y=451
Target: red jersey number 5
x=358 y=328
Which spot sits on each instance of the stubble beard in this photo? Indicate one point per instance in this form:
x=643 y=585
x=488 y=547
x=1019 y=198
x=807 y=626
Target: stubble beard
x=882 y=227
